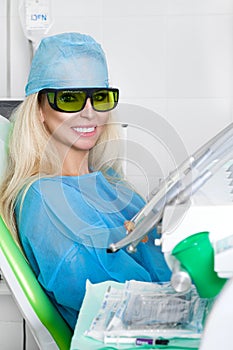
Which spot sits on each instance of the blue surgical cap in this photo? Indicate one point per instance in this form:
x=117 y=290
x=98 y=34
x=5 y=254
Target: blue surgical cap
x=67 y=60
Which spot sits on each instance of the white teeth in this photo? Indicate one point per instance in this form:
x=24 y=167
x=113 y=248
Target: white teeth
x=84 y=129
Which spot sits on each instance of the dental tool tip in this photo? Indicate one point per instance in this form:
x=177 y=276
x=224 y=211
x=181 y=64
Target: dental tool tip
x=112 y=249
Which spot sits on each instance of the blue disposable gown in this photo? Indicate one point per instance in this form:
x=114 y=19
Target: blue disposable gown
x=65 y=225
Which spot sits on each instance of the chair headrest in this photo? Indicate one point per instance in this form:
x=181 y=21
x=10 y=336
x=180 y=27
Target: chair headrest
x=5 y=126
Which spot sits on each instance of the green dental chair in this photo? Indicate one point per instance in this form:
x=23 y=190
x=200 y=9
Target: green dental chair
x=46 y=324
x=49 y=329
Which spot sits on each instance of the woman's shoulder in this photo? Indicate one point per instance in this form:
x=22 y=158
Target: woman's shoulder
x=92 y=186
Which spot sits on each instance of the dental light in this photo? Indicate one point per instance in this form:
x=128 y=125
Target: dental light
x=179 y=186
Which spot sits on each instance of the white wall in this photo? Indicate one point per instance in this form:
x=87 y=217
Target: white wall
x=172 y=57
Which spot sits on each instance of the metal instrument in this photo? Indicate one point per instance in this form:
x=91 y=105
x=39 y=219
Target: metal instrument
x=179 y=186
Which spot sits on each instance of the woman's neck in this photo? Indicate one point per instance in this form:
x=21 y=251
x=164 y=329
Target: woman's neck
x=75 y=163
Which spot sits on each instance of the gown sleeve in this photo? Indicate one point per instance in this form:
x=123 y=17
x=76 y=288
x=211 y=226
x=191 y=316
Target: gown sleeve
x=65 y=243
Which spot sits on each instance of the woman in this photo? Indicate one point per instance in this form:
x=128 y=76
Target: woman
x=64 y=197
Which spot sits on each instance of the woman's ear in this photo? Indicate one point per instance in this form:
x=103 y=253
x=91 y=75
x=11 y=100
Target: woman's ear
x=42 y=118
x=41 y=103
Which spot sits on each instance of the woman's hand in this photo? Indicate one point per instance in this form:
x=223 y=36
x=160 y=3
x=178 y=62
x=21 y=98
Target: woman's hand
x=129 y=226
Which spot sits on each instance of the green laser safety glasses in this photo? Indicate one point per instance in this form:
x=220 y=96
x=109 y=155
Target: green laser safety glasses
x=74 y=100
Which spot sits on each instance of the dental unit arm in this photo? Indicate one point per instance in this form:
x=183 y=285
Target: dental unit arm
x=179 y=186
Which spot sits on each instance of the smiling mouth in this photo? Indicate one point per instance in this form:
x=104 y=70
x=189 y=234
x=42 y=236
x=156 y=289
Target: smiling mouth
x=84 y=130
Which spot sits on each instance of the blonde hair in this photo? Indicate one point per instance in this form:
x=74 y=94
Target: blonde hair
x=30 y=158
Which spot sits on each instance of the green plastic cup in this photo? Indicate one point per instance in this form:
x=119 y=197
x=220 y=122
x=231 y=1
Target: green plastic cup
x=196 y=255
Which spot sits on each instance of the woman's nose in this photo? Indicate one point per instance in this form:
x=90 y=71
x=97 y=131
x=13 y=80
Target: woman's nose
x=88 y=104
x=88 y=110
